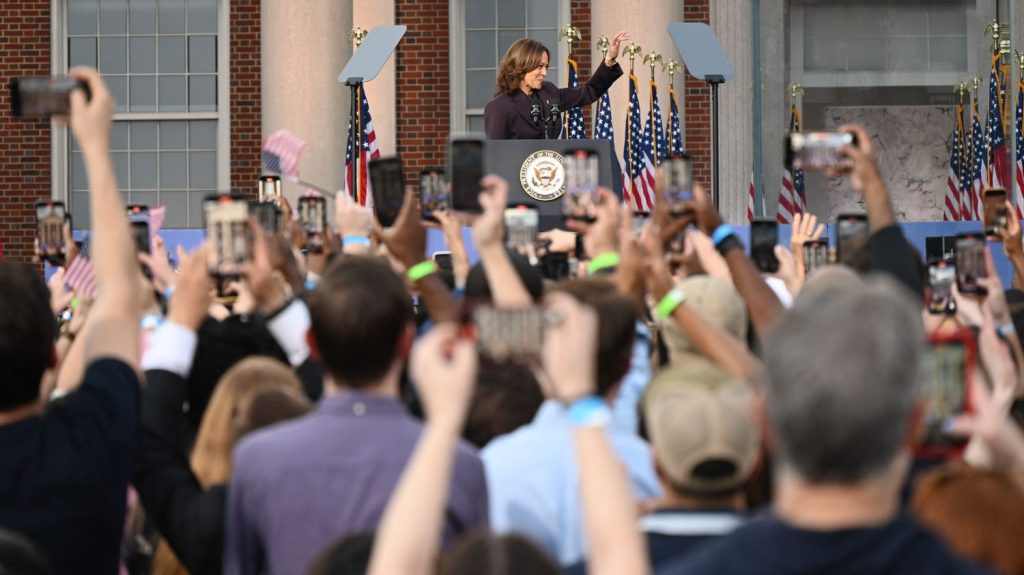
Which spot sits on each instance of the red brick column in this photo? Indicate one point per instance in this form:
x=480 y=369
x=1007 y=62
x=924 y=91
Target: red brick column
x=24 y=144
x=698 y=104
x=245 y=97
x=579 y=16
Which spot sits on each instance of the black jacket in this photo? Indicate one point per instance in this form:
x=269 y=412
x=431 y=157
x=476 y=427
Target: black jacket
x=514 y=117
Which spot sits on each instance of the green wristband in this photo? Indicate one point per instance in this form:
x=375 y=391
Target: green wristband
x=603 y=262
x=421 y=270
x=670 y=302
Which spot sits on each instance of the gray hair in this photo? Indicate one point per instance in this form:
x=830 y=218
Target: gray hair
x=842 y=374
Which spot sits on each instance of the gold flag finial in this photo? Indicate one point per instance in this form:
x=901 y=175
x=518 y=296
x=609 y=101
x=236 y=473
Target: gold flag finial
x=670 y=67
x=794 y=91
x=570 y=34
x=975 y=83
x=960 y=89
x=652 y=59
x=603 y=44
x=632 y=50
x=357 y=34
x=1020 y=62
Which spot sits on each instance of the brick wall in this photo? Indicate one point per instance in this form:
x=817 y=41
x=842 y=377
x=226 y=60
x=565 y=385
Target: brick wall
x=25 y=144
x=423 y=96
x=246 y=136
x=579 y=16
x=698 y=104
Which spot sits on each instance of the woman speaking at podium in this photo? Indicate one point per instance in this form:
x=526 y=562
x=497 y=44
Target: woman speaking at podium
x=526 y=107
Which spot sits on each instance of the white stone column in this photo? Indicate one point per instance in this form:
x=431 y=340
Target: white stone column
x=648 y=23
x=731 y=20
x=304 y=48
x=774 y=110
x=380 y=93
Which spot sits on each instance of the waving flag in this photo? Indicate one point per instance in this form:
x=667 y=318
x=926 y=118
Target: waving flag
x=638 y=163
x=659 y=145
x=951 y=206
x=676 y=141
x=281 y=153
x=792 y=200
x=995 y=136
x=978 y=169
x=368 y=145
x=79 y=277
x=1018 y=191
x=573 y=128
x=966 y=165
x=605 y=130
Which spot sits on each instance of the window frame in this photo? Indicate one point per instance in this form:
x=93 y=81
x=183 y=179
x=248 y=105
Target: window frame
x=458 y=121
x=60 y=162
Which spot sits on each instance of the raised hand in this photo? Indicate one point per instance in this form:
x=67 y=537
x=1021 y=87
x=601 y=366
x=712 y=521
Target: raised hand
x=615 y=45
x=259 y=273
x=489 y=227
x=406 y=240
x=192 y=297
x=570 y=348
x=443 y=367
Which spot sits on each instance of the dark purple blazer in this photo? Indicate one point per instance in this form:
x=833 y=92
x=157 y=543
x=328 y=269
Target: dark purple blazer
x=512 y=116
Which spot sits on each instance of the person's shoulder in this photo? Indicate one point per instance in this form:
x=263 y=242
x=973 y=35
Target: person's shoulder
x=501 y=100
x=110 y=371
x=283 y=437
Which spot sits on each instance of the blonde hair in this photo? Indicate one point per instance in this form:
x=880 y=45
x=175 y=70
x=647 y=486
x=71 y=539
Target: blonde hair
x=220 y=430
x=522 y=57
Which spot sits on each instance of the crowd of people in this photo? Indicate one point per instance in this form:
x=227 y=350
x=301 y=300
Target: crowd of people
x=680 y=412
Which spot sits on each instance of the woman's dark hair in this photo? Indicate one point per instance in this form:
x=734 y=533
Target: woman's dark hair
x=27 y=331
x=349 y=556
x=506 y=397
x=523 y=56
x=19 y=557
x=489 y=554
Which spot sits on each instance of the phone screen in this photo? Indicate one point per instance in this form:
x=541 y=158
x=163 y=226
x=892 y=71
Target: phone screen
x=269 y=188
x=443 y=261
x=227 y=235
x=851 y=235
x=582 y=170
x=995 y=213
x=313 y=215
x=945 y=388
x=817 y=150
x=43 y=96
x=509 y=334
x=433 y=193
x=50 y=217
x=941 y=275
x=466 y=157
x=678 y=195
x=970 y=262
x=268 y=215
x=815 y=255
x=764 y=235
x=521 y=224
x=388 y=189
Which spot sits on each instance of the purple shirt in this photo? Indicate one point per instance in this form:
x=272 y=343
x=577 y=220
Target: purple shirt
x=298 y=487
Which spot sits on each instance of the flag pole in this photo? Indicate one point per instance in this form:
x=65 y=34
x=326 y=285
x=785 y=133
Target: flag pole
x=356 y=34
x=570 y=33
x=652 y=59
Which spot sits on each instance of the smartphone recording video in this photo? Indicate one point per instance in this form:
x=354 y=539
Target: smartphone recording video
x=582 y=172
x=678 y=195
x=43 y=96
x=269 y=188
x=817 y=150
x=313 y=217
x=522 y=222
x=947 y=367
x=970 y=262
x=995 y=213
x=228 y=236
x=138 y=217
x=50 y=218
x=815 y=255
x=268 y=215
x=764 y=235
x=513 y=335
x=851 y=235
x=941 y=275
x=434 y=195
x=466 y=167
x=388 y=189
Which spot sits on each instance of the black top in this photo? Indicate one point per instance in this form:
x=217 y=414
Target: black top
x=899 y=547
x=517 y=116
x=189 y=517
x=891 y=253
x=64 y=475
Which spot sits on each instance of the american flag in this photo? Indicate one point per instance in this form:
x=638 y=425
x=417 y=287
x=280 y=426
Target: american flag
x=636 y=156
x=1018 y=192
x=281 y=153
x=79 y=277
x=368 y=139
x=792 y=200
x=966 y=165
x=605 y=130
x=659 y=145
x=676 y=137
x=978 y=169
x=751 y=193
x=995 y=137
x=573 y=129
x=951 y=206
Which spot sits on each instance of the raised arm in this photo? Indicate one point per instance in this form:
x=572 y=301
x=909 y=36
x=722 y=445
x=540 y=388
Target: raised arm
x=409 y=537
x=602 y=79
x=115 y=314
x=507 y=289
x=614 y=543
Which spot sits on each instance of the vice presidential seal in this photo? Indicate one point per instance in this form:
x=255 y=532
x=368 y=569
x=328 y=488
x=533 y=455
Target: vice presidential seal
x=543 y=175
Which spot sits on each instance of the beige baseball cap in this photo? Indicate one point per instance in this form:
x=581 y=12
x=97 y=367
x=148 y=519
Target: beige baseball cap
x=714 y=299
x=700 y=423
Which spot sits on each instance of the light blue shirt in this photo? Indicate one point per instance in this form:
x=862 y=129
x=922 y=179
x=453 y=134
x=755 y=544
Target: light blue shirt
x=624 y=410
x=534 y=487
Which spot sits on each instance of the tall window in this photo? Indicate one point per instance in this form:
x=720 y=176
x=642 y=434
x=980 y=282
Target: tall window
x=485 y=29
x=161 y=61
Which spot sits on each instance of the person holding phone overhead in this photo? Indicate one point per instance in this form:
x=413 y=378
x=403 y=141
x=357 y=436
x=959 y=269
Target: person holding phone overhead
x=526 y=107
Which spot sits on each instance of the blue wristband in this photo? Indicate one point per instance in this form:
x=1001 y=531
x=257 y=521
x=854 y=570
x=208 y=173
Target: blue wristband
x=589 y=411
x=168 y=293
x=357 y=239
x=721 y=232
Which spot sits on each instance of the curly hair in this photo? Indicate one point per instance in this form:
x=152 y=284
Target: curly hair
x=523 y=56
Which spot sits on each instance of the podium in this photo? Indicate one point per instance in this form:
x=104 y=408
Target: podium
x=533 y=161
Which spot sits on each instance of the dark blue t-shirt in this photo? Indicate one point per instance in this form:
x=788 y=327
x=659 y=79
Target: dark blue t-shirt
x=900 y=547
x=64 y=475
